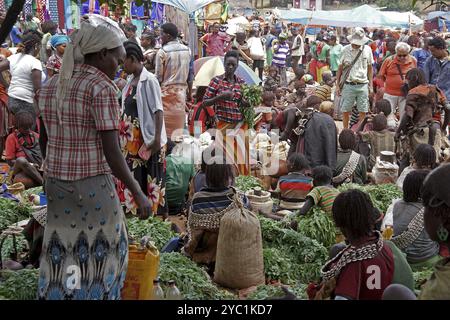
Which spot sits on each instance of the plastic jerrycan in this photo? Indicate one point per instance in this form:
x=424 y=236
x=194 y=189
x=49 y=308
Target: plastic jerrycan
x=143 y=267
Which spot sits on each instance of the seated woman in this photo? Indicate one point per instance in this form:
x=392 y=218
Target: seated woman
x=295 y=186
x=424 y=157
x=367 y=265
x=23 y=153
x=206 y=212
x=351 y=166
x=436 y=200
x=409 y=231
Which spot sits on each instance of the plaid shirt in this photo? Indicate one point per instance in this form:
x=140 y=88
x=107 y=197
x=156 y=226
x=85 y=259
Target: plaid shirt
x=227 y=111
x=172 y=65
x=74 y=149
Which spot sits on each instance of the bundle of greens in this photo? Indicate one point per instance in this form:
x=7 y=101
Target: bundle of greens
x=420 y=277
x=8 y=246
x=159 y=231
x=267 y=292
x=246 y=183
x=319 y=226
x=380 y=194
x=12 y=212
x=19 y=285
x=306 y=256
x=253 y=95
x=193 y=282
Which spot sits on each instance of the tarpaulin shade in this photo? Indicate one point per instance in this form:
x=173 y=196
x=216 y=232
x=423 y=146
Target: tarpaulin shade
x=363 y=16
x=187 y=6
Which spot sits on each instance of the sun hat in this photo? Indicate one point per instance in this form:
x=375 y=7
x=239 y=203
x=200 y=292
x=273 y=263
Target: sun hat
x=358 y=37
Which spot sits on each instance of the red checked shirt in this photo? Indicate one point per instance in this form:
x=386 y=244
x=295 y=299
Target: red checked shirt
x=227 y=111
x=74 y=149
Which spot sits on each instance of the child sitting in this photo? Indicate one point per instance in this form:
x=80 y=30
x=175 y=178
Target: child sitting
x=23 y=153
x=380 y=138
x=280 y=99
x=272 y=81
x=323 y=193
x=264 y=112
x=384 y=106
x=295 y=186
x=327 y=107
x=324 y=91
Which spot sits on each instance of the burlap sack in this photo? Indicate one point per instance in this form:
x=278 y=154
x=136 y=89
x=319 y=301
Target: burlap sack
x=239 y=259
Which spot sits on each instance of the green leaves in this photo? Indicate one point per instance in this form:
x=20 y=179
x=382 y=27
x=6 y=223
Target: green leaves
x=319 y=226
x=12 y=212
x=193 y=282
x=19 y=285
x=268 y=292
x=252 y=95
x=246 y=183
x=159 y=231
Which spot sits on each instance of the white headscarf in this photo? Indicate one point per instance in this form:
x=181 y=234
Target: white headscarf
x=95 y=34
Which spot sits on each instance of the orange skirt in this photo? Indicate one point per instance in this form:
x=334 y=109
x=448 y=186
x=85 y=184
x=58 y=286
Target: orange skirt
x=236 y=143
x=174 y=104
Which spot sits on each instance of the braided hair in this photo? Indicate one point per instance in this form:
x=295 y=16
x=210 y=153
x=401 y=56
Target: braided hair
x=354 y=214
x=425 y=156
x=297 y=162
x=133 y=50
x=29 y=42
x=413 y=185
x=347 y=139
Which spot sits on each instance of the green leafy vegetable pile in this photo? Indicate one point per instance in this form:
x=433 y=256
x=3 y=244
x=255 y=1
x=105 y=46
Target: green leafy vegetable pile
x=253 y=95
x=8 y=246
x=193 y=282
x=12 y=212
x=381 y=194
x=247 y=183
x=268 y=291
x=420 y=277
x=319 y=226
x=19 y=285
x=304 y=256
x=159 y=231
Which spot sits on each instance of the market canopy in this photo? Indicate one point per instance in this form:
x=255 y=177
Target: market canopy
x=363 y=16
x=188 y=6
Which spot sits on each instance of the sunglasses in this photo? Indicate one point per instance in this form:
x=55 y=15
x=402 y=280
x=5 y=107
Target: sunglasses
x=402 y=55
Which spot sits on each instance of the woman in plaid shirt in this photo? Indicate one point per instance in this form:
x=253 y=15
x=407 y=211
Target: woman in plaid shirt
x=85 y=246
x=224 y=93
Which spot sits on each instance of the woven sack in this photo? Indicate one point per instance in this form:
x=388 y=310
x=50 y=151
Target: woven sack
x=239 y=259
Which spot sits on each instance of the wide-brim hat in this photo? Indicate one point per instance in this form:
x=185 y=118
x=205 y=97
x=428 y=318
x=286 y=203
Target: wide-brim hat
x=358 y=37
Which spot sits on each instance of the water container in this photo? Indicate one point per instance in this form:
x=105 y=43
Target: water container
x=143 y=266
x=42 y=199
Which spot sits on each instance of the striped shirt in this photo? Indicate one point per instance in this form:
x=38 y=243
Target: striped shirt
x=279 y=57
x=209 y=201
x=323 y=196
x=294 y=188
x=172 y=64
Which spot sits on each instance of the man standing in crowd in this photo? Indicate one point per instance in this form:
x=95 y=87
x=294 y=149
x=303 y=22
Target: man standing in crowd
x=216 y=44
x=298 y=49
x=172 y=71
x=356 y=74
x=393 y=73
x=437 y=67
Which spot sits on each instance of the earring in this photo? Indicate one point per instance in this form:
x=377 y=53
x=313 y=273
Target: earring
x=442 y=233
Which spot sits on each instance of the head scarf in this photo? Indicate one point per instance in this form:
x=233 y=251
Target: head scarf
x=307 y=78
x=58 y=39
x=95 y=34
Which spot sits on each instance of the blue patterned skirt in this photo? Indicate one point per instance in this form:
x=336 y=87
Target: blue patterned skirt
x=85 y=249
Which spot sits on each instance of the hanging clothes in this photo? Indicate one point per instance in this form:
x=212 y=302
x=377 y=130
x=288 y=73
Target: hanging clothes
x=157 y=14
x=193 y=38
x=68 y=14
x=104 y=10
x=76 y=14
x=179 y=18
x=53 y=10
x=28 y=7
x=60 y=14
x=2 y=6
x=136 y=11
x=8 y=3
